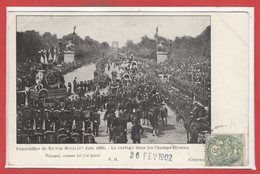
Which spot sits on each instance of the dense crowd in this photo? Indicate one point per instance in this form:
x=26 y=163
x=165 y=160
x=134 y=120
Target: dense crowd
x=76 y=119
x=188 y=82
x=131 y=96
x=26 y=72
x=196 y=72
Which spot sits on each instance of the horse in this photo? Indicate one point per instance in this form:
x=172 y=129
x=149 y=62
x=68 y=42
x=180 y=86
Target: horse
x=128 y=116
x=195 y=125
x=110 y=118
x=164 y=115
x=118 y=130
x=153 y=116
x=119 y=137
x=197 y=130
x=138 y=114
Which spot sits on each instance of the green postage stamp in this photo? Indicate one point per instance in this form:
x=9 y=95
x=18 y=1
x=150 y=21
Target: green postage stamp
x=225 y=150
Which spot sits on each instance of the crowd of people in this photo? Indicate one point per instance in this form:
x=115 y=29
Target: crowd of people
x=188 y=83
x=131 y=95
x=76 y=119
x=26 y=72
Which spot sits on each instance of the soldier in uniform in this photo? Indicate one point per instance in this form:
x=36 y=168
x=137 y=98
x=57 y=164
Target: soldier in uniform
x=119 y=128
x=76 y=136
x=38 y=119
x=27 y=116
x=136 y=131
x=47 y=119
x=86 y=120
x=50 y=136
x=68 y=139
x=103 y=101
x=69 y=118
x=19 y=119
x=75 y=84
x=193 y=133
x=56 y=117
x=77 y=116
x=88 y=137
x=111 y=107
x=96 y=123
x=98 y=101
x=129 y=106
x=88 y=100
x=146 y=107
x=110 y=122
x=157 y=98
x=38 y=136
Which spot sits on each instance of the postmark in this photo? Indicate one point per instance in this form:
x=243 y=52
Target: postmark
x=224 y=150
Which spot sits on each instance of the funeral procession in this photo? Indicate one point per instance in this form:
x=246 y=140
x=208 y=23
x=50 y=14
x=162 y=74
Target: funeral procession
x=127 y=81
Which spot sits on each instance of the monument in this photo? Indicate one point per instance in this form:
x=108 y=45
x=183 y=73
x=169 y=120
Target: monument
x=115 y=45
x=69 y=53
x=161 y=51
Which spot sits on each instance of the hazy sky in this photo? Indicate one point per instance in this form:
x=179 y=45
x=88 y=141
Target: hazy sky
x=118 y=28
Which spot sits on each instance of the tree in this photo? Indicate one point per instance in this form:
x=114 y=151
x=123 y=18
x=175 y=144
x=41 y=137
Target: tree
x=105 y=46
x=28 y=44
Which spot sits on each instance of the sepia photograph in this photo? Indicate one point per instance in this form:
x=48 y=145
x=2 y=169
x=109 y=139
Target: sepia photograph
x=113 y=79
x=130 y=88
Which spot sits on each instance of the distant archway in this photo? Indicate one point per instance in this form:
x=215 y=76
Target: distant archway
x=115 y=44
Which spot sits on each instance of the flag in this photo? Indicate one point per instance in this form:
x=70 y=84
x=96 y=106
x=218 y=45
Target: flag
x=42 y=57
x=156 y=31
x=55 y=55
x=50 y=55
x=45 y=57
x=74 y=30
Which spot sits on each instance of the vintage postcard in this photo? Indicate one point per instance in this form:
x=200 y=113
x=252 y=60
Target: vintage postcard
x=135 y=88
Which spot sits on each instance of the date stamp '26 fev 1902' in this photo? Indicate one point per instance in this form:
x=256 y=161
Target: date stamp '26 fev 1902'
x=224 y=150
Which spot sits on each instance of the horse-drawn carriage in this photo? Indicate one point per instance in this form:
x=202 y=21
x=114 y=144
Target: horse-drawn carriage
x=50 y=85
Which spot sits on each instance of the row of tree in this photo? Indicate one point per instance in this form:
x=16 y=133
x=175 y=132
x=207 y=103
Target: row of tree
x=29 y=43
x=179 y=49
